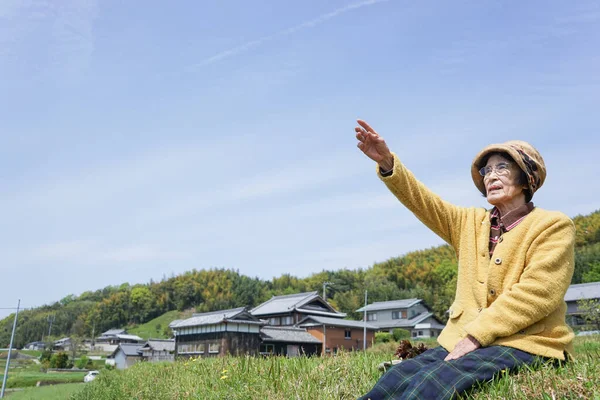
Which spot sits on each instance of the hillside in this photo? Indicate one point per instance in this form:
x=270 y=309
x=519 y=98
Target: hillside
x=158 y=328
x=429 y=274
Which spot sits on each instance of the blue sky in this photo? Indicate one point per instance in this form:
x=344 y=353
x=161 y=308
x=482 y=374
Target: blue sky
x=145 y=139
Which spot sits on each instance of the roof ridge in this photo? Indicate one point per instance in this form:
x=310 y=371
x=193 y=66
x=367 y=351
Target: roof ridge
x=584 y=284
x=217 y=312
x=303 y=294
x=391 y=301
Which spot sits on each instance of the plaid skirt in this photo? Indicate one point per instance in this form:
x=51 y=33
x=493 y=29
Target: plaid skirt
x=428 y=376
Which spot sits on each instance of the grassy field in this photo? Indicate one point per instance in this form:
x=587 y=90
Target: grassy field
x=55 y=392
x=25 y=373
x=155 y=328
x=345 y=376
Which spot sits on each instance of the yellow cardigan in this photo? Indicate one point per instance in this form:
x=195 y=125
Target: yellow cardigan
x=514 y=299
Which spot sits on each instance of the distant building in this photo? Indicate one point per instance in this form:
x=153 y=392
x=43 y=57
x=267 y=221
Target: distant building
x=217 y=333
x=288 y=341
x=158 y=350
x=337 y=333
x=63 y=344
x=288 y=310
x=118 y=336
x=575 y=293
x=409 y=314
x=125 y=355
x=238 y=332
x=309 y=311
x=40 y=346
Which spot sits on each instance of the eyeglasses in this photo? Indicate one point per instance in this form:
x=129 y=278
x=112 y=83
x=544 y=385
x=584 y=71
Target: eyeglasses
x=502 y=169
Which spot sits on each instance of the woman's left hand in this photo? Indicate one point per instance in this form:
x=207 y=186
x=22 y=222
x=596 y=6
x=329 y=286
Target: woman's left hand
x=463 y=347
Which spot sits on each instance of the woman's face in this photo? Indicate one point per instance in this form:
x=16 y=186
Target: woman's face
x=501 y=184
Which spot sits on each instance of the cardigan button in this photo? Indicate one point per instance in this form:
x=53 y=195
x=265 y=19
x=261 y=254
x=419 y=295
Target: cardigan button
x=498 y=261
x=492 y=292
x=501 y=239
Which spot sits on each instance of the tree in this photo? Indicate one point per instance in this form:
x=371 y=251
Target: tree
x=142 y=303
x=590 y=311
x=59 y=360
x=593 y=274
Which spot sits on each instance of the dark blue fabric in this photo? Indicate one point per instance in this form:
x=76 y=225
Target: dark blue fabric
x=428 y=376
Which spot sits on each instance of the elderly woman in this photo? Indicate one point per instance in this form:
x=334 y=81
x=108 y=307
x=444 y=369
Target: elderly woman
x=515 y=263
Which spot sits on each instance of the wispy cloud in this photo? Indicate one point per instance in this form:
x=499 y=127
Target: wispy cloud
x=286 y=32
x=65 y=28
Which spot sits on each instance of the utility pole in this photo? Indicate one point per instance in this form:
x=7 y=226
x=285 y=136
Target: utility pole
x=365 y=325
x=325 y=289
x=12 y=338
x=50 y=320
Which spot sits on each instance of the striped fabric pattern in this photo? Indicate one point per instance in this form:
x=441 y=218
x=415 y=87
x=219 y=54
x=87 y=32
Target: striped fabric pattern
x=502 y=224
x=428 y=376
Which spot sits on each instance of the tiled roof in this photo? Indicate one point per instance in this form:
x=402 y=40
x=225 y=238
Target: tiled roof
x=299 y=301
x=130 y=349
x=583 y=291
x=313 y=320
x=390 y=305
x=114 y=332
x=286 y=335
x=130 y=337
x=175 y=322
x=160 y=344
x=281 y=304
x=217 y=317
x=402 y=323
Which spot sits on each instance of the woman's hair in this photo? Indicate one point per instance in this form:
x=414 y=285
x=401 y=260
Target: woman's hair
x=522 y=178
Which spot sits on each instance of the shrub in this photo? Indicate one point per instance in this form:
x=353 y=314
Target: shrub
x=46 y=355
x=59 y=360
x=383 y=337
x=400 y=334
x=84 y=362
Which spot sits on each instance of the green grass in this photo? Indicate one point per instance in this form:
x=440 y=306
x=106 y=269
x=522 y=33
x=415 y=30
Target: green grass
x=345 y=376
x=28 y=378
x=25 y=373
x=35 y=353
x=54 y=392
x=148 y=330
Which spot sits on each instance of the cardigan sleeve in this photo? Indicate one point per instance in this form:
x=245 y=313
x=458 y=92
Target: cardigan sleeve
x=541 y=288
x=442 y=217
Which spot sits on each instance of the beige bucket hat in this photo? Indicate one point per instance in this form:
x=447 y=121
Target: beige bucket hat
x=524 y=154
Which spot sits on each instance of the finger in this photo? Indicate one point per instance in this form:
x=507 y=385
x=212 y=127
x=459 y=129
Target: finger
x=358 y=129
x=366 y=126
x=360 y=137
x=360 y=145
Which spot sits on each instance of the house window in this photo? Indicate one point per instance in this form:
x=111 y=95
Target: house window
x=420 y=333
x=372 y=317
x=213 y=348
x=267 y=349
x=289 y=320
x=275 y=321
x=185 y=348
x=347 y=334
x=200 y=348
x=414 y=334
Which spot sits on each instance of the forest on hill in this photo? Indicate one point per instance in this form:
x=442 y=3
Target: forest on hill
x=428 y=274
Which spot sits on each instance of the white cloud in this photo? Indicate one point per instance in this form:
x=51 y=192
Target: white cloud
x=304 y=25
